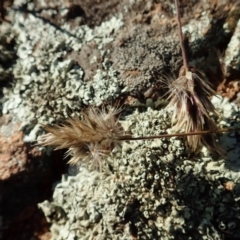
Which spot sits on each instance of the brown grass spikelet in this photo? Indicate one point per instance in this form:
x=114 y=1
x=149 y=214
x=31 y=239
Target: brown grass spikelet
x=91 y=137
x=189 y=96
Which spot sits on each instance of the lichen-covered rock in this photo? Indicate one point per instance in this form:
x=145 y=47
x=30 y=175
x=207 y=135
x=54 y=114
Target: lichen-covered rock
x=232 y=55
x=157 y=189
x=57 y=65
x=50 y=82
x=49 y=85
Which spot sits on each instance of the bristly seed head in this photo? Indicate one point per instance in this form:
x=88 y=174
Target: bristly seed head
x=91 y=137
x=189 y=95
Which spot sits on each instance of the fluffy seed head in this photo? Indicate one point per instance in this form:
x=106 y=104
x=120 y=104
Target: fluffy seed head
x=91 y=137
x=189 y=96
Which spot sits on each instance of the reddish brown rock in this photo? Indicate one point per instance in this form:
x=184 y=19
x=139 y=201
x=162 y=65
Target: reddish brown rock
x=26 y=178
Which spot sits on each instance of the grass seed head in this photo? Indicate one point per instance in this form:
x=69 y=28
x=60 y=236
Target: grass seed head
x=189 y=96
x=91 y=137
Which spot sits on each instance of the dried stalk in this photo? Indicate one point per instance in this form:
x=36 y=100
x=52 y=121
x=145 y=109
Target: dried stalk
x=185 y=134
x=184 y=55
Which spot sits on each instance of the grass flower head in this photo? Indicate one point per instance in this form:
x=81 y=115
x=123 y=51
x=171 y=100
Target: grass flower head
x=189 y=95
x=93 y=136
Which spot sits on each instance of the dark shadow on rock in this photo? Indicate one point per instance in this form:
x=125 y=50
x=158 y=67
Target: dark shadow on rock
x=21 y=193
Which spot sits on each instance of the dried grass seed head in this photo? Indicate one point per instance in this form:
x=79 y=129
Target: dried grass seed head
x=189 y=96
x=91 y=137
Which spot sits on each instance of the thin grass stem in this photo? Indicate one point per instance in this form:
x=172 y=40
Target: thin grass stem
x=184 y=55
x=166 y=135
